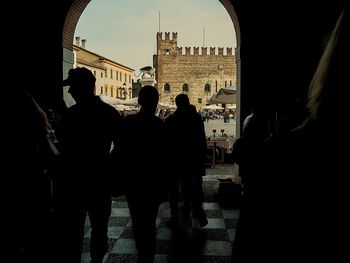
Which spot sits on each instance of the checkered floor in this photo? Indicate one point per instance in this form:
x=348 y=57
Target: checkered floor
x=209 y=244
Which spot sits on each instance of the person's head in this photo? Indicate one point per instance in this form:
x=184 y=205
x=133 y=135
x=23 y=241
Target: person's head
x=81 y=83
x=148 y=99
x=182 y=101
x=327 y=90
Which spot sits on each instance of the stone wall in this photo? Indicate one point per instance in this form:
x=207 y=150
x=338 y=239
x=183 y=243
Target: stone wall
x=194 y=67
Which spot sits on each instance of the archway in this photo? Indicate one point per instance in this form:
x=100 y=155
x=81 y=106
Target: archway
x=78 y=7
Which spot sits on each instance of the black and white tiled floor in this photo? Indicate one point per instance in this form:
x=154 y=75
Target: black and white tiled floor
x=209 y=244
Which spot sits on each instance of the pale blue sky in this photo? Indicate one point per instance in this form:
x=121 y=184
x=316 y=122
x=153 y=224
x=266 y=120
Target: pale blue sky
x=125 y=30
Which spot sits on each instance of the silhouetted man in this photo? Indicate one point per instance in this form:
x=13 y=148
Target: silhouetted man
x=142 y=153
x=188 y=146
x=86 y=133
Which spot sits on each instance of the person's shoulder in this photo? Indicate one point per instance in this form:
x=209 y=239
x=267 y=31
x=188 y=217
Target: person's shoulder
x=198 y=116
x=101 y=103
x=170 y=118
x=108 y=107
x=129 y=118
x=159 y=120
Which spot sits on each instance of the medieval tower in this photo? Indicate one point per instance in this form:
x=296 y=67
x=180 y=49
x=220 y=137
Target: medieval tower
x=194 y=71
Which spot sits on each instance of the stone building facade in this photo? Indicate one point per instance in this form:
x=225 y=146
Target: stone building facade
x=193 y=71
x=112 y=78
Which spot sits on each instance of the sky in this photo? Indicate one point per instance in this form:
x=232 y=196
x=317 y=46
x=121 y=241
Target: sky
x=125 y=30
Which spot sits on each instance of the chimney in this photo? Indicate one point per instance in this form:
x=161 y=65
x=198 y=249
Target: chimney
x=83 y=42
x=77 y=41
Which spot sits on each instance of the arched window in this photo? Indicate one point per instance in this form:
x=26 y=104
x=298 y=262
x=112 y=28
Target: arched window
x=185 y=88
x=166 y=87
x=207 y=88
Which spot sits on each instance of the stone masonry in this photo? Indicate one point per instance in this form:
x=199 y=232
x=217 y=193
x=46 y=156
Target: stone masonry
x=198 y=72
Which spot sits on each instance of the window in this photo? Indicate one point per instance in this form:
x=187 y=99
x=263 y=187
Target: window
x=112 y=75
x=207 y=88
x=185 y=88
x=101 y=90
x=106 y=73
x=116 y=75
x=106 y=90
x=200 y=100
x=167 y=52
x=166 y=87
x=129 y=78
x=111 y=92
x=101 y=74
x=94 y=72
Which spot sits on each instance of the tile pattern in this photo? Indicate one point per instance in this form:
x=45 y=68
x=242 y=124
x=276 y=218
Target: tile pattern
x=209 y=244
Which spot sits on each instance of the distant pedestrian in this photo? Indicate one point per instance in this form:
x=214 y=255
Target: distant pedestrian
x=207 y=116
x=161 y=115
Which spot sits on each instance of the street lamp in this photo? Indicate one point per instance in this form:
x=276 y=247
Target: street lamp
x=124 y=90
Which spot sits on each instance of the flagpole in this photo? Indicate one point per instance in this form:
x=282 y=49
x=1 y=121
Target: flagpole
x=203 y=37
x=158 y=21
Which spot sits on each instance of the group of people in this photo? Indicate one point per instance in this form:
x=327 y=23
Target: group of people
x=103 y=154
x=295 y=211
x=225 y=114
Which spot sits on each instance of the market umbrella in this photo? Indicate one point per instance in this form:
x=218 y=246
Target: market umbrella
x=225 y=95
x=212 y=107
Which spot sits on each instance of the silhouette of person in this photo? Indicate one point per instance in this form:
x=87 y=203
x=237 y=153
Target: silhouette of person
x=255 y=132
x=142 y=152
x=29 y=188
x=85 y=132
x=297 y=207
x=188 y=145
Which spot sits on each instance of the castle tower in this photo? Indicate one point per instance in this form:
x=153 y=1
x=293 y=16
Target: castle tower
x=198 y=72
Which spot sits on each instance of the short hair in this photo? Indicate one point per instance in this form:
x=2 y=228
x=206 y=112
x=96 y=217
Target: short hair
x=148 y=96
x=182 y=101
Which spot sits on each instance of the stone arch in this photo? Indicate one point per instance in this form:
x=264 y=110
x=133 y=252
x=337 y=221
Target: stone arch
x=78 y=7
x=71 y=21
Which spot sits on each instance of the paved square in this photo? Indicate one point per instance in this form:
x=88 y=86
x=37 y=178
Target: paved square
x=208 y=244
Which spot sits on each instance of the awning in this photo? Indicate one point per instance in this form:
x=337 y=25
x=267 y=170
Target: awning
x=225 y=95
x=162 y=105
x=115 y=101
x=131 y=102
x=212 y=107
x=110 y=100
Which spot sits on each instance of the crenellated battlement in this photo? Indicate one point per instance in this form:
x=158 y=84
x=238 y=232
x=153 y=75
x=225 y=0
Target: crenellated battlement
x=203 y=51
x=212 y=51
x=166 y=36
x=168 y=41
